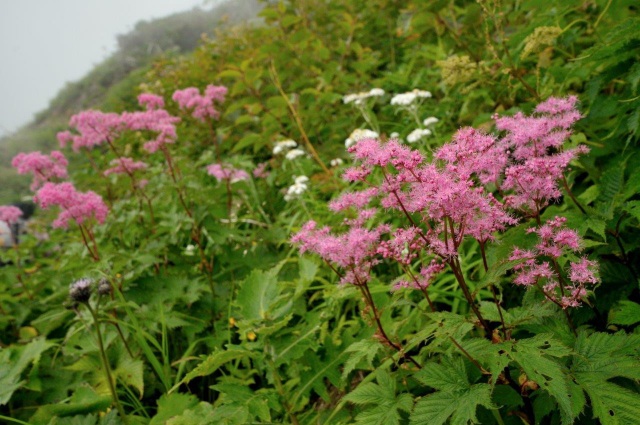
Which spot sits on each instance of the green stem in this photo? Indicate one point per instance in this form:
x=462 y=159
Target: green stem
x=107 y=367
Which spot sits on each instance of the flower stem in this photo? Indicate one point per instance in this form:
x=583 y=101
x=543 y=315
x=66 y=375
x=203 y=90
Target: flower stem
x=107 y=367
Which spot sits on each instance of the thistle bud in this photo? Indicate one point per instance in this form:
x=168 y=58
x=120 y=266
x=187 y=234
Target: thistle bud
x=80 y=290
x=104 y=287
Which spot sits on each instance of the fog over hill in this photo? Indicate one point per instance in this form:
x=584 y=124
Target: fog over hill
x=105 y=85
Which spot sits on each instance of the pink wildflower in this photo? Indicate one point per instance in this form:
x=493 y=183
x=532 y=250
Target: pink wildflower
x=260 y=172
x=201 y=106
x=77 y=206
x=125 y=165
x=43 y=167
x=424 y=280
x=352 y=251
x=10 y=214
x=227 y=172
x=554 y=241
x=151 y=101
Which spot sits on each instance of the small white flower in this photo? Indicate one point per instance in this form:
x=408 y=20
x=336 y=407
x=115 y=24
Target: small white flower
x=190 y=250
x=403 y=99
x=284 y=145
x=394 y=135
x=359 y=134
x=294 y=153
x=418 y=134
x=376 y=92
x=406 y=99
x=429 y=121
x=300 y=180
x=298 y=188
x=336 y=162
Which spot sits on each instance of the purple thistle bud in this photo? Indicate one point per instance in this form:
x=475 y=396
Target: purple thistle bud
x=80 y=290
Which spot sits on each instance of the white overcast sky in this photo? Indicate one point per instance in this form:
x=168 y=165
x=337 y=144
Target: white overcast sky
x=46 y=43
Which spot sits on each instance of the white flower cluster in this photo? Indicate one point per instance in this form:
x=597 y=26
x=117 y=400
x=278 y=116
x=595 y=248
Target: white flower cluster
x=294 y=153
x=406 y=99
x=297 y=189
x=336 y=162
x=418 y=134
x=430 y=121
x=359 y=98
x=283 y=145
x=359 y=134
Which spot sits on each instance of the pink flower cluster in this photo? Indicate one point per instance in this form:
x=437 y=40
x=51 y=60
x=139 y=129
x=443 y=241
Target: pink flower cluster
x=446 y=201
x=10 y=214
x=125 y=165
x=539 y=266
x=528 y=161
x=227 y=172
x=353 y=251
x=201 y=106
x=95 y=128
x=43 y=167
x=76 y=206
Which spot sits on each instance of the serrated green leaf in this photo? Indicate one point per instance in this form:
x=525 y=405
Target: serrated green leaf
x=171 y=405
x=361 y=350
x=257 y=293
x=212 y=363
x=383 y=396
x=461 y=406
x=14 y=360
x=599 y=358
x=625 y=313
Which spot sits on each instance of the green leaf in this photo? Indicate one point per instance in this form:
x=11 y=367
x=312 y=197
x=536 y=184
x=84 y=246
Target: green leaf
x=129 y=371
x=383 y=396
x=460 y=405
x=361 y=350
x=625 y=313
x=212 y=363
x=171 y=405
x=257 y=293
x=601 y=357
x=537 y=356
x=14 y=360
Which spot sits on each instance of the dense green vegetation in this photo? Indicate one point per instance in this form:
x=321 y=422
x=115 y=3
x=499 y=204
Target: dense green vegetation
x=202 y=311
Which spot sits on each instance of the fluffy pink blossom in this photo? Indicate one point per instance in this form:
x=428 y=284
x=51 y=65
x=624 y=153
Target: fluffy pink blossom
x=76 y=206
x=426 y=277
x=201 y=106
x=227 y=172
x=125 y=165
x=150 y=101
x=538 y=160
x=352 y=251
x=157 y=121
x=10 y=214
x=94 y=128
x=43 y=167
x=260 y=172
x=554 y=241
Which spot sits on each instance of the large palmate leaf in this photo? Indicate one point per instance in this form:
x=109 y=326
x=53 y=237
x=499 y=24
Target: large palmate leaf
x=386 y=404
x=455 y=397
x=601 y=357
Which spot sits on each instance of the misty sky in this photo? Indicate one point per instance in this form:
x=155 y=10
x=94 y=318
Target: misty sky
x=46 y=43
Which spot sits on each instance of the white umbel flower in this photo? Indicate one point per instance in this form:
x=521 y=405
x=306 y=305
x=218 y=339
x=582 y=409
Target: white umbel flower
x=298 y=188
x=406 y=99
x=430 y=121
x=284 y=145
x=294 y=153
x=336 y=162
x=418 y=134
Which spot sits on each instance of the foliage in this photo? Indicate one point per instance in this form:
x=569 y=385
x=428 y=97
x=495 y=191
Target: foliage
x=189 y=303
